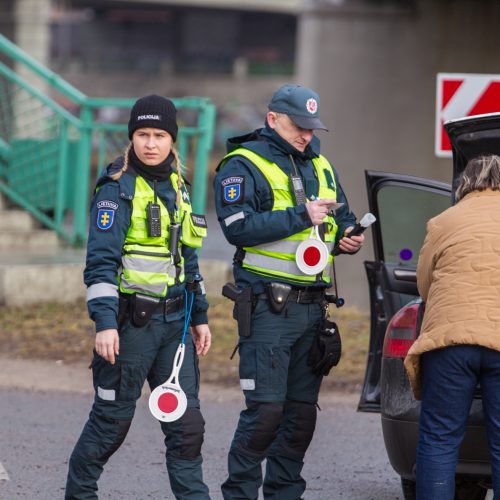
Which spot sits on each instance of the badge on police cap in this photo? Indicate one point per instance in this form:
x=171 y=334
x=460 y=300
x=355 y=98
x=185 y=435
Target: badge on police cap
x=106 y=214
x=232 y=189
x=312 y=105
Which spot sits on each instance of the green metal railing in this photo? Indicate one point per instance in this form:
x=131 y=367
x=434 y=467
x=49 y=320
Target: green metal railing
x=48 y=150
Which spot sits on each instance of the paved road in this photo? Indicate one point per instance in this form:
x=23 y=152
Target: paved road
x=39 y=426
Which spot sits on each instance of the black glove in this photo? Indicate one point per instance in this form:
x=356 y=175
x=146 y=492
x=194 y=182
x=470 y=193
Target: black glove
x=326 y=349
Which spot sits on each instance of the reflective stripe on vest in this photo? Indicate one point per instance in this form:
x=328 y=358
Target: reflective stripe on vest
x=147 y=266
x=278 y=258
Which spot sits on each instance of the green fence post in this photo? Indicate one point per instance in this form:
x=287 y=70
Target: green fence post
x=101 y=157
x=183 y=145
x=82 y=175
x=62 y=176
x=206 y=124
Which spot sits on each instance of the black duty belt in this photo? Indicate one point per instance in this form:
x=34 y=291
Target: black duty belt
x=153 y=306
x=301 y=296
x=171 y=305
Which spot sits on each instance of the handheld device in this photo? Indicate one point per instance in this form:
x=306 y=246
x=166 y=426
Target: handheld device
x=168 y=401
x=366 y=221
x=299 y=193
x=153 y=217
x=332 y=209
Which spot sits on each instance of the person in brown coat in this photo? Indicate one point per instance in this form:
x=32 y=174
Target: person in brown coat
x=458 y=278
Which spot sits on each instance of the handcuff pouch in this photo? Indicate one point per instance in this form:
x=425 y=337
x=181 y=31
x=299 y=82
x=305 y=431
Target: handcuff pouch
x=277 y=295
x=143 y=308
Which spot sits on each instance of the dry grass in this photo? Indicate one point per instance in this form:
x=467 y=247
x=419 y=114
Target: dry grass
x=51 y=331
x=55 y=331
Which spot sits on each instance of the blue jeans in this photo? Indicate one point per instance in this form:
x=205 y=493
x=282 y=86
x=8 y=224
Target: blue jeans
x=449 y=378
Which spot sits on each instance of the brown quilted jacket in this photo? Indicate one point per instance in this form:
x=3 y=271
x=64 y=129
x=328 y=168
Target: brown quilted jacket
x=458 y=277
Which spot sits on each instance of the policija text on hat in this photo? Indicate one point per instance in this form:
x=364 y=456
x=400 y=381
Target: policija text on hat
x=147 y=299
x=280 y=203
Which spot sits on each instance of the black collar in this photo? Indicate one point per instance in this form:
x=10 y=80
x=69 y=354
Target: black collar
x=159 y=172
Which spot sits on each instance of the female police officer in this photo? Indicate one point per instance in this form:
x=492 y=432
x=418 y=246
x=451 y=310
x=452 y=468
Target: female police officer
x=143 y=279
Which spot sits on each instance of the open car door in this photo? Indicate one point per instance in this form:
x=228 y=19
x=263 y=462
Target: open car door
x=402 y=205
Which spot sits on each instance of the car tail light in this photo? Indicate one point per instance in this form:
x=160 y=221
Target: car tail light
x=401 y=332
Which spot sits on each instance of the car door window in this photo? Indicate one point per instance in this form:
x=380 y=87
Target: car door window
x=403 y=214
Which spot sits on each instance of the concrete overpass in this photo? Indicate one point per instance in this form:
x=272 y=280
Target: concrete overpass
x=373 y=62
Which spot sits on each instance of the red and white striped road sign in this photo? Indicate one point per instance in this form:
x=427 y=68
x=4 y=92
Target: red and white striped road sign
x=459 y=95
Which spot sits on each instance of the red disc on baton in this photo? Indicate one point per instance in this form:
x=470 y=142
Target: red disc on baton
x=312 y=254
x=168 y=401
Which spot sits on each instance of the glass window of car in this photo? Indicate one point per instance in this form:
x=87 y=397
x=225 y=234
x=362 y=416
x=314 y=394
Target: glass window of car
x=403 y=213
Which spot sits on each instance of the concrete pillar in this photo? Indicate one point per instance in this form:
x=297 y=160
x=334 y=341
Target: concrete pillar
x=32 y=27
x=32 y=34
x=307 y=42
x=7 y=18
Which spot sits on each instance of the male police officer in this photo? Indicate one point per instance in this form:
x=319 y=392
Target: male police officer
x=271 y=188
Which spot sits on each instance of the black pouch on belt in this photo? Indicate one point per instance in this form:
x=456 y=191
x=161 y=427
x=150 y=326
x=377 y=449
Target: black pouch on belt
x=326 y=348
x=277 y=295
x=143 y=308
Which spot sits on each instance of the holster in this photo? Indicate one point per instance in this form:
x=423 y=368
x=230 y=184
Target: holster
x=142 y=308
x=277 y=295
x=243 y=311
x=231 y=291
x=243 y=306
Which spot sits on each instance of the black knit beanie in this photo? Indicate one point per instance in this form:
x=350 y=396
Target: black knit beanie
x=153 y=111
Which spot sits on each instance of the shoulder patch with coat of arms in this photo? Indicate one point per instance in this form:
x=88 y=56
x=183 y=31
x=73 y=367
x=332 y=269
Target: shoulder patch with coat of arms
x=106 y=214
x=232 y=189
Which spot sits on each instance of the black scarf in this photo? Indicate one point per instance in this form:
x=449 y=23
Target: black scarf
x=285 y=146
x=160 y=172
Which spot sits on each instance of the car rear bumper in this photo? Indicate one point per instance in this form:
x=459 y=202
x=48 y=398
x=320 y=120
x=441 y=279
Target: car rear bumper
x=401 y=439
x=400 y=414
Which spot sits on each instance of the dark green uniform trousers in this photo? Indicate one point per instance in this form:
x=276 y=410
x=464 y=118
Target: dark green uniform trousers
x=281 y=393
x=146 y=352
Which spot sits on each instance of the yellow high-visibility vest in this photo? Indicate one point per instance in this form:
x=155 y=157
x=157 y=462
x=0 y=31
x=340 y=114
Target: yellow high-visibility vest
x=147 y=265
x=277 y=259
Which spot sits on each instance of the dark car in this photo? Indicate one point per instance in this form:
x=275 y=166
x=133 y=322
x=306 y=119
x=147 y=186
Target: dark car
x=403 y=205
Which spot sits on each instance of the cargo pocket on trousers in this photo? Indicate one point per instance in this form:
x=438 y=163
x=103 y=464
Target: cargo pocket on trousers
x=248 y=366
x=130 y=382
x=258 y=368
x=106 y=378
